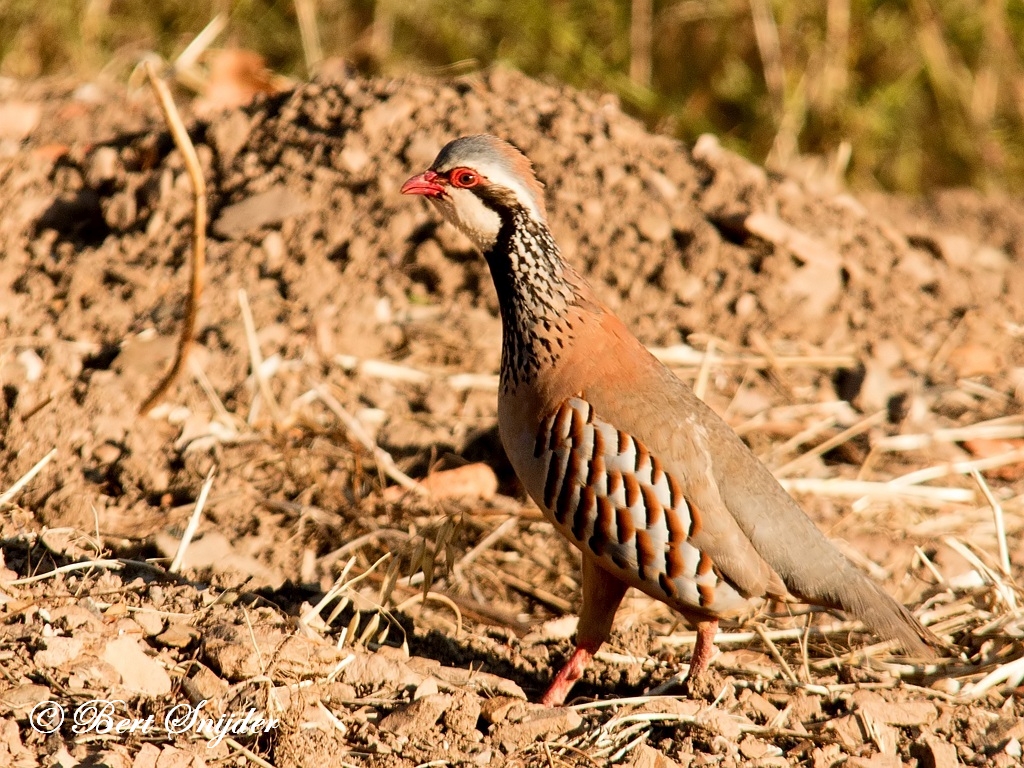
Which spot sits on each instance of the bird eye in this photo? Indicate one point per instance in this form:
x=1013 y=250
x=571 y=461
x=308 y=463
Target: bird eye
x=463 y=177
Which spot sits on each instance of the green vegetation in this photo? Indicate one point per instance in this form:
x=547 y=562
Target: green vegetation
x=913 y=93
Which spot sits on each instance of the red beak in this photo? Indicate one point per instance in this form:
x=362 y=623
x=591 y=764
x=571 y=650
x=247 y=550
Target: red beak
x=428 y=184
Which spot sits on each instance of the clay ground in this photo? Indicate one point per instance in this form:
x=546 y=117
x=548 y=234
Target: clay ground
x=869 y=349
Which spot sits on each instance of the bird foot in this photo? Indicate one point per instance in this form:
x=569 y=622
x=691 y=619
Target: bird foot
x=566 y=678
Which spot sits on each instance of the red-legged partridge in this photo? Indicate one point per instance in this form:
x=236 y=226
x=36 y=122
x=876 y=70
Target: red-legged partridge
x=653 y=488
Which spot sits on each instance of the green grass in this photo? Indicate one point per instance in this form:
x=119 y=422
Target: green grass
x=925 y=93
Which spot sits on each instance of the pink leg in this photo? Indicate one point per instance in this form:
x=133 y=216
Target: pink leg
x=703 y=649
x=602 y=593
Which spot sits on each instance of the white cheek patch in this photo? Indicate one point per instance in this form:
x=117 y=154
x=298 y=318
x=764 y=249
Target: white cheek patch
x=468 y=213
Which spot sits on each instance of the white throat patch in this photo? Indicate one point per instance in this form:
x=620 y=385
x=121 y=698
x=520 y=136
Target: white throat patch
x=468 y=212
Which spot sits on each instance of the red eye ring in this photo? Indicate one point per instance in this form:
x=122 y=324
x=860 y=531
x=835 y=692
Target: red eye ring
x=463 y=177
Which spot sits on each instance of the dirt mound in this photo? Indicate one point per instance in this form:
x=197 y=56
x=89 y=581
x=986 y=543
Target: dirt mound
x=806 y=298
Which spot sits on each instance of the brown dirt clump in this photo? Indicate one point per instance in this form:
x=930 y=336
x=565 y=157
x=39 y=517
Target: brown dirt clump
x=880 y=327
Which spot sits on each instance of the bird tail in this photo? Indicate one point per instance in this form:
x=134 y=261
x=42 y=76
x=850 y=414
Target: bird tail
x=864 y=599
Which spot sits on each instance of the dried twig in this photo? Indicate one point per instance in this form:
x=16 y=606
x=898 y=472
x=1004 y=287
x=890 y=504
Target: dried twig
x=305 y=10
x=860 y=427
x=25 y=479
x=193 y=522
x=256 y=359
x=195 y=173
x=774 y=651
x=1012 y=671
x=114 y=565
x=356 y=430
x=958 y=468
x=1000 y=522
x=187 y=58
x=486 y=543
x=745 y=638
x=1010 y=427
x=920 y=494
x=1004 y=590
x=700 y=387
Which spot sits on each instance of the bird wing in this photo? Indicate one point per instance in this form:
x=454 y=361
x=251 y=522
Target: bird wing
x=755 y=533
x=618 y=502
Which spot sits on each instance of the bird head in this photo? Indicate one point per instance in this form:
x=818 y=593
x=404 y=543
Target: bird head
x=478 y=183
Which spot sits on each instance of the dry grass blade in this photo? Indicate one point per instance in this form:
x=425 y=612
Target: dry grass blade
x=310 y=34
x=193 y=522
x=1012 y=673
x=187 y=58
x=928 y=495
x=1004 y=590
x=333 y=592
x=700 y=386
x=342 y=588
x=1002 y=428
x=833 y=442
x=679 y=356
x=243 y=750
x=256 y=360
x=958 y=468
x=195 y=174
x=1000 y=522
x=25 y=479
x=114 y=565
x=685 y=356
x=486 y=543
x=774 y=651
x=436 y=597
x=356 y=430
x=745 y=638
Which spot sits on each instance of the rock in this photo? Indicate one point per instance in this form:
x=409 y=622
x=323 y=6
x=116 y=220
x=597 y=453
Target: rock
x=354 y=159
x=229 y=134
x=754 y=703
x=152 y=623
x=240 y=653
x=450 y=678
x=261 y=210
x=753 y=748
x=59 y=651
x=894 y=713
x=1003 y=731
x=654 y=227
x=875 y=761
x=536 y=723
x=416 y=717
x=646 y=756
x=139 y=673
x=18 y=119
x=427 y=688
x=970 y=359
x=827 y=756
x=464 y=715
x=75 y=615
x=496 y=709
x=202 y=683
x=848 y=732
x=104 y=166
x=932 y=752
x=19 y=700
x=469 y=481
x=178 y=636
